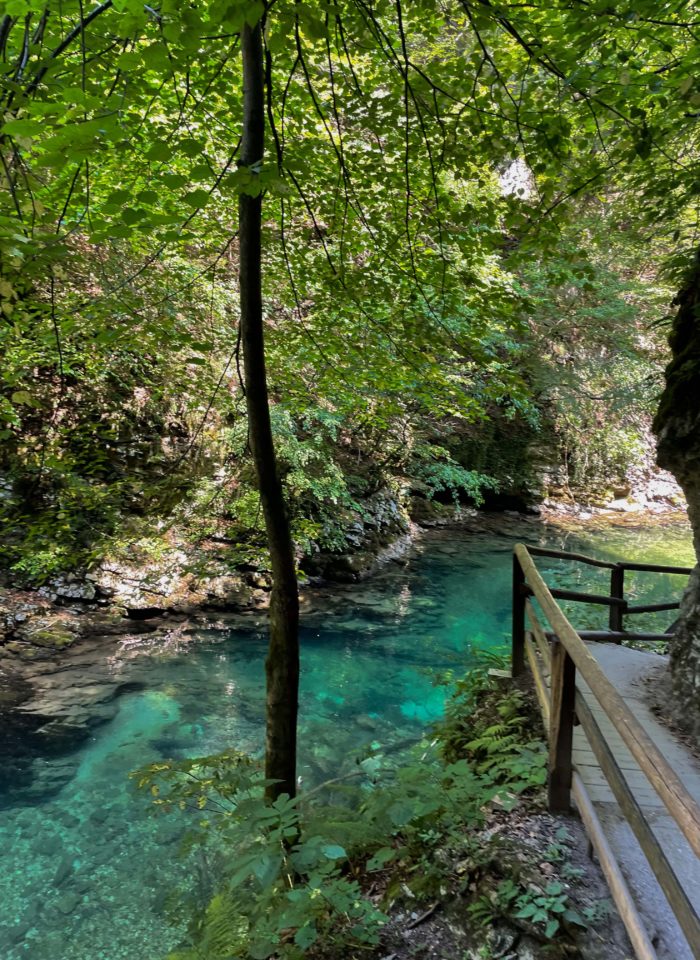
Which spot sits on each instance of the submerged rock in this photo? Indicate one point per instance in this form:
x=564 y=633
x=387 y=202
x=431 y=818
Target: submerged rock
x=64 y=871
x=67 y=903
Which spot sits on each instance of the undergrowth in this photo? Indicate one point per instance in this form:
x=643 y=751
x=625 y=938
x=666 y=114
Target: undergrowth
x=317 y=876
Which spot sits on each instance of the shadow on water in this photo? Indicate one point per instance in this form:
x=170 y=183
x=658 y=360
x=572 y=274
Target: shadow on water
x=85 y=861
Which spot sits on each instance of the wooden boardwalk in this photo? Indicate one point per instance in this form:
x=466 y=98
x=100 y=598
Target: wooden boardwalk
x=637 y=789
x=630 y=671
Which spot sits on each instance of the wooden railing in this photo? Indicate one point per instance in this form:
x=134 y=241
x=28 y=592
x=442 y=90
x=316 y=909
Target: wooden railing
x=555 y=656
x=618 y=606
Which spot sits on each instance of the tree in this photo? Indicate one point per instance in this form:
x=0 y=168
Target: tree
x=677 y=425
x=391 y=253
x=282 y=665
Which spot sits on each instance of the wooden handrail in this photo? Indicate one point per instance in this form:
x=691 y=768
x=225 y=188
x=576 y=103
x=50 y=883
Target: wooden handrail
x=608 y=564
x=654 y=568
x=615 y=600
x=661 y=776
x=598 y=598
x=654 y=607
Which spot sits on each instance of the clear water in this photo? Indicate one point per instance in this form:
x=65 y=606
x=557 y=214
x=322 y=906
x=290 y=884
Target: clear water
x=86 y=864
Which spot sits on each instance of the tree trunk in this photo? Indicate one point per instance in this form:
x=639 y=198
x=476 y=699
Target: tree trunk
x=677 y=426
x=282 y=665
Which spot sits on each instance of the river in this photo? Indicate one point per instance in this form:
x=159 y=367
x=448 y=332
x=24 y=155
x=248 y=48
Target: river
x=87 y=867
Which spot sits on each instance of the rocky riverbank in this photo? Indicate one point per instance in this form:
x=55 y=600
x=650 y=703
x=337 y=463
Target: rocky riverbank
x=141 y=593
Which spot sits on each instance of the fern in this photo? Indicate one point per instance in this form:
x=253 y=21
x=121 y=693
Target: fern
x=493 y=728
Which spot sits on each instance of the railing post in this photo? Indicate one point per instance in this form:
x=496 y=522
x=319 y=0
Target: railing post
x=518 y=645
x=561 y=728
x=617 y=590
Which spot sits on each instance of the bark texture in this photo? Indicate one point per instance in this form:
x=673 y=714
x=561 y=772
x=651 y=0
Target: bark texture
x=677 y=426
x=282 y=665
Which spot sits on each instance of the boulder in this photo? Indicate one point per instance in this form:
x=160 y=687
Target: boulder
x=67 y=903
x=72 y=588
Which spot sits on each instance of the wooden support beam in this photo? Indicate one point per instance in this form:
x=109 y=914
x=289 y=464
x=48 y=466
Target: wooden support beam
x=518 y=626
x=617 y=590
x=540 y=685
x=561 y=728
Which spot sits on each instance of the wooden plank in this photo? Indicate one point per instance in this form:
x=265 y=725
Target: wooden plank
x=616 y=882
x=607 y=636
x=562 y=555
x=654 y=607
x=663 y=871
x=539 y=635
x=598 y=598
x=678 y=801
x=540 y=686
x=561 y=728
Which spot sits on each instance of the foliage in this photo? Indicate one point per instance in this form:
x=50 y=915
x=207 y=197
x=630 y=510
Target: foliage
x=546 y=909
x=493 y=727
x=457 y=289
x=283 y=878
x=438 y=296
x=277 y=889
x=434 y=471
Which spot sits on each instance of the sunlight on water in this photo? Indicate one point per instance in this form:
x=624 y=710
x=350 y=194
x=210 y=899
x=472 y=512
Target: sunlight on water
x=87 y=867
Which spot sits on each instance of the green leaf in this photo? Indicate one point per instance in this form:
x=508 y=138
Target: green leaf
x=197 y=198
x=22 y=128
x=132 y=215
x=119 y=197
x=191 y=147
x=306 y=935
x=334 y=852
x=159 y=151
x=381 y=858
x=262 y=950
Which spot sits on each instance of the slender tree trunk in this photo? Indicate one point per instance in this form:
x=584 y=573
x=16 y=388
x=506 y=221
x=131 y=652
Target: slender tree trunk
x=677 y=425
x=282 y=665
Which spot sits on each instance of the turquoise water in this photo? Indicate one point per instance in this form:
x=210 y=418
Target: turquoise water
x=87 y=866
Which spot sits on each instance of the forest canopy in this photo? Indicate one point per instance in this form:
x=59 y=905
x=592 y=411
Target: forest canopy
x=474 y=213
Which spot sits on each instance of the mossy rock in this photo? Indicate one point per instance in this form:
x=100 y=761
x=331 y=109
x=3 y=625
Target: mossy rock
x=55 y=638
x=428 y=511
x=25 y=651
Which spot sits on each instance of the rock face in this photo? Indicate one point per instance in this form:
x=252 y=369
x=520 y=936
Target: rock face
x=677 y=426
x=382 y=532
